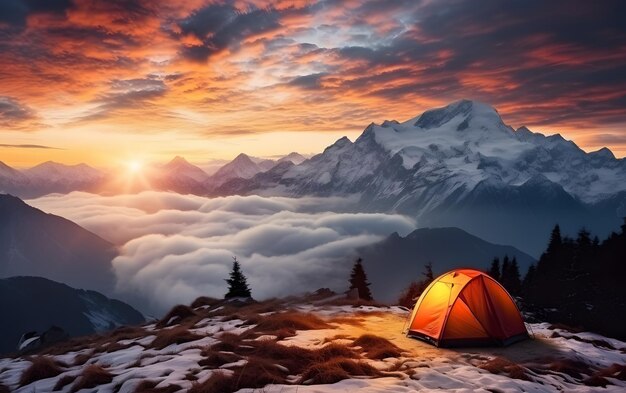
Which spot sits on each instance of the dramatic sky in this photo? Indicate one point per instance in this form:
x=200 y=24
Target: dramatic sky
x=100 y=81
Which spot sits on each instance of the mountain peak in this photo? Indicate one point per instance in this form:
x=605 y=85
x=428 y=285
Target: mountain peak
x=179 y=160
x=463 y=109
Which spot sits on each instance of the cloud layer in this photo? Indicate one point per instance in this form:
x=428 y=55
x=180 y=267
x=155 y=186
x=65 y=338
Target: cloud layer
x=175 y=247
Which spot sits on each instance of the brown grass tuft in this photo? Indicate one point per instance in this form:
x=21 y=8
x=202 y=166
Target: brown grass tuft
x=377 y=347
x=42 y=367
x=256 y=373
x=335 y=370
x=205 y=301
x=229 y=342
x=503 y=366
x=215 y=359
x=614 y=371
x=573 y=368
x=175 y=335
x=289 y=322
x=148 y=386
x=64 y=381
x=177 y=315
x=93 y=375
x=218 y=382
x=596 y=380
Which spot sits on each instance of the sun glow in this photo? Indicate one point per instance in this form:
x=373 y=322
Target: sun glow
x=135 y=166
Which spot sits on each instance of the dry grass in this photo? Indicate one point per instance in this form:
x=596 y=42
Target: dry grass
x=205 y=301
x=285 y=324
x=42 y=367
x=229 y=342
x=573 y=368
x=64 y=381
x=218 y=382
x=335 y=370
x=599 y=378
x=256 y=373
x=352 y=302
x=148 y=386
x=93 y=375
x=177 y=315
x=215 y=359
x=82 y=358
x=176 y=335
x=503 y=366
x=377 y=347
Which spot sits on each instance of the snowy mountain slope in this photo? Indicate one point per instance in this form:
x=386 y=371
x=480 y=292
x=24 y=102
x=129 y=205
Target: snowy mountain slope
x=55 y=172
x=396 y=261
x=243 y=167
x=11 y=180
x=178 y=175
x=295 y=157
x=438 y=165
x=49 y=177
x=36 y=304
x=224 y=348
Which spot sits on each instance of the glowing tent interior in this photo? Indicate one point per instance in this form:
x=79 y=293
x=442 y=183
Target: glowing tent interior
x=466 y=307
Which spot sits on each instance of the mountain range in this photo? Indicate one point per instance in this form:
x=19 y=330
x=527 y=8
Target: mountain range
x=455 y=166
x=36 y=304
x=177 y=175
x=461 y=166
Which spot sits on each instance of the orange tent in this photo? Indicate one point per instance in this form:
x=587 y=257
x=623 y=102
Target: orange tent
x=465 y=307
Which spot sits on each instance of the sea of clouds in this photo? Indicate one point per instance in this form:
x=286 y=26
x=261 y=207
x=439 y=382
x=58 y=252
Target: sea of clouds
x=174 y=248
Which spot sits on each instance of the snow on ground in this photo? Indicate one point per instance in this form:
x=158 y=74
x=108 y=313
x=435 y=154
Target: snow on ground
x=420 y=366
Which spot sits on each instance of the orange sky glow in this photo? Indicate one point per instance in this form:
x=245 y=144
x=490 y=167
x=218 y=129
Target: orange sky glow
x=116 y=81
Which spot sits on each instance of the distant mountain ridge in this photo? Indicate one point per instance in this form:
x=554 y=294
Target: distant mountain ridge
x=33 y=243
x=396 y=261
x=36 y=304
x=177 y=175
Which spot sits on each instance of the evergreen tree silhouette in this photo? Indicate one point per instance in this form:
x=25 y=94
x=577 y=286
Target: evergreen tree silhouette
x=237 y=283
x=494 y=270
x=511 y=278
x=358 y=280
x=528 y=281
x=428 y=273
x=504 y=273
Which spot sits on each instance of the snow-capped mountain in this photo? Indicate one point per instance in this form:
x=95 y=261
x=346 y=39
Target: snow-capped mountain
x=36 y=304
x=460 y=165
x=243 y=167
x=11 y=179
x=54 y=172
x=182 y=168
x=178 y=175
x=294 y=157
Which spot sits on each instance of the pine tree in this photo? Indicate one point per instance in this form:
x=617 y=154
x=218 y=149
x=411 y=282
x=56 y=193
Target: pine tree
x=428 y=273
x=513 y=279
x=494 y=270
x=504 y=273
x=358 y=280
x=237 y=283
x=555 y=240
x=529 y=279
